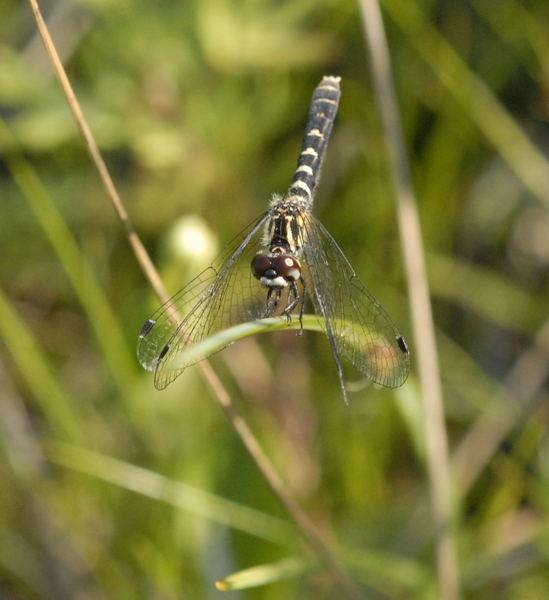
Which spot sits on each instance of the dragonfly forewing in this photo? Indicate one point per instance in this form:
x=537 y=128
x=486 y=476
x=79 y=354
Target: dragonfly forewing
x=223 y=295
x=362 y=331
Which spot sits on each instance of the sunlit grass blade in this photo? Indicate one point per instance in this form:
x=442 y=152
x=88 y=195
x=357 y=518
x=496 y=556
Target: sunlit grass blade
x=265 y=574
x=379 y=570
x=226 y=337
x=230 y=335
x=178 y=494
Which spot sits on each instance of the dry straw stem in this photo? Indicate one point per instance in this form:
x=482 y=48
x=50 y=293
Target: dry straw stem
x=422 y=318
x=305 y=525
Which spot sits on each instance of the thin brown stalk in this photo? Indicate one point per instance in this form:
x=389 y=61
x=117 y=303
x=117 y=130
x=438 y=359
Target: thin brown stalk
x=420 y=303
x=138 y=248
x=304 y=524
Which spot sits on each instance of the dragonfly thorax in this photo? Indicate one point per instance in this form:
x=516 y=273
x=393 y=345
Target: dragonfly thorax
x=285 y=228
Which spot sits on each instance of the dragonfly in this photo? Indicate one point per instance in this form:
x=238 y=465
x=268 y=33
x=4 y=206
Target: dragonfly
x=277 y=264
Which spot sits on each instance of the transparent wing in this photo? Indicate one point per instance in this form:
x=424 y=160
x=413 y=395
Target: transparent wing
x=223 y=295
x=353 y=319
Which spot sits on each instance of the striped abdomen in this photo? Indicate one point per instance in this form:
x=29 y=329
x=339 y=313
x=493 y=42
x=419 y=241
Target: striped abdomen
x=322 y=114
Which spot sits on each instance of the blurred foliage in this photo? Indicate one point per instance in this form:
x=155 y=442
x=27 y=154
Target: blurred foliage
x=199 y=108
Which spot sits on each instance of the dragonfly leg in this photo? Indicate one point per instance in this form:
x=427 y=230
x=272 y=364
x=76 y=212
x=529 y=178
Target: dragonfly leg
x=303 y=300
x=272 y=303
x=291 y=304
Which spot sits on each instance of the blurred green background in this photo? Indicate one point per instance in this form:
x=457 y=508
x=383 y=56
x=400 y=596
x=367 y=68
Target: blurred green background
x=199 y=108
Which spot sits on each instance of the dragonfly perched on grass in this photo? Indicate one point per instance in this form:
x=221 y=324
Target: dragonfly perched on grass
x=272 y=268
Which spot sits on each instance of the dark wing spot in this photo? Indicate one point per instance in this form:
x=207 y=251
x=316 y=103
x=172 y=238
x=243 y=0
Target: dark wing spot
x=402 y=345
x=164 y=352
x=146 y=328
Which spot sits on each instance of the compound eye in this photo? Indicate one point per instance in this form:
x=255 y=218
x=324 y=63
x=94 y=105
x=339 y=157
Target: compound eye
x=260 y=265
x=287 y=266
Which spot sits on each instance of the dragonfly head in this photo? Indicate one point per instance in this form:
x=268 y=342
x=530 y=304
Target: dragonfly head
x=276 y=271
